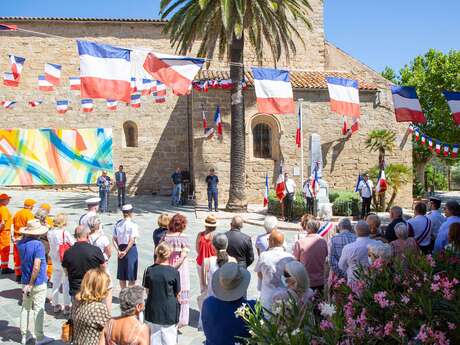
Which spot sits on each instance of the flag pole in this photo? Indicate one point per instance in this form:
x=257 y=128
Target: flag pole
x=300 y=101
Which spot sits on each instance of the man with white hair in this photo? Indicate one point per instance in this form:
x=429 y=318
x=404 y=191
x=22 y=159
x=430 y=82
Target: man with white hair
x=379 y=250
x=338 y=242
x=354 y=254
x=270 y=224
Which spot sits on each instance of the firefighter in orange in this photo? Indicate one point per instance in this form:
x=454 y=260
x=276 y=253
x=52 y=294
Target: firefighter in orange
x=46 y=220
x=20 y=220
x=5 y=233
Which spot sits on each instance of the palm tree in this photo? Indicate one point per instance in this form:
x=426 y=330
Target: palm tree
x=225 y=25
x=381 y=141
x=397 y=176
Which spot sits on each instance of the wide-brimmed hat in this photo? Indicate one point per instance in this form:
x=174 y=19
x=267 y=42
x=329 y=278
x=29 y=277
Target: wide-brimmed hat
x=210 y=221
x=34 y=227
x=4 y=197
x=230 y=282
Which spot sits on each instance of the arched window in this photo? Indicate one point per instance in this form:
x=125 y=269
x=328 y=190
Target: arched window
x=262 y=141
x=130 y=129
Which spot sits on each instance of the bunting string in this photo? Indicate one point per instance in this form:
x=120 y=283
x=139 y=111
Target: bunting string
x=437 y=146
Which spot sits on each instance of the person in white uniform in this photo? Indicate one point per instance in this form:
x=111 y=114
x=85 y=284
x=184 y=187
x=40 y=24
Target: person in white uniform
x=125 y=233
x=93 y=207
x=420 y=228
x=290 y=187
x=365 y=189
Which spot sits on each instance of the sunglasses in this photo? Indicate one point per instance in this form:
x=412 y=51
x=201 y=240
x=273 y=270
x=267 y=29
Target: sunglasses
x=286 y=274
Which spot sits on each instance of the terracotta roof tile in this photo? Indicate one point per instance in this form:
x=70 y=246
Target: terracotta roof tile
x=76 y=19
x=299 y=79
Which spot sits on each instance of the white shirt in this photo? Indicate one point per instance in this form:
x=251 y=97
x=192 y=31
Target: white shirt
x=353 y=255
x=100 y=240
x=124 y=230
x=56 y=237
x=85 y=218
x=419 y=224
x=307 y=189
x=271 y=264
x=365 y=188
x=290 y=185
x=437 y=219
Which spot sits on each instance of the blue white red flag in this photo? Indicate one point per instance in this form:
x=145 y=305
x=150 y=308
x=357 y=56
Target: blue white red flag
x=176 y=72
x=360 y=178
x=218 y=121
x=53 y=73
x=74 y=83
x=145 y=87
x=325 y=228
x=17 y=64
x=133 y=85
x=8 y=104
x=446 y=150
x=87 y=105
x=266 y=191
x=112 y=104
x=105 y=71
x=205 y=122
x=35 y=103
x=62 y=106
x=407 y=105
x=44 y=85
x=273 y=91
x=298 y=133
x=10 y=80
x=315 y=180
x=159 y=91
x=453 y=100
x=344 y=95
x=136 y=100
x=454 y=152
x=437 y=147
x=280 y=188
x=381 y=182
x=7 y=27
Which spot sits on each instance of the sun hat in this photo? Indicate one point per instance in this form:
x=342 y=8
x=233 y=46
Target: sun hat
x=93 y=201
x=29 y=202
x=210 y=221
x=127 y=207
x=230 y=282
x=34 y=227
x=4 y=197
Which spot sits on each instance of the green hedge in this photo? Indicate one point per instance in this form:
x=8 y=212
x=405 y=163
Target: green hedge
x=274 y=206
x=344 y=203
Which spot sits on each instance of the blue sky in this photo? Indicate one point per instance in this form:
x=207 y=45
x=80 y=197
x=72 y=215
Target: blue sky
x=378 y=33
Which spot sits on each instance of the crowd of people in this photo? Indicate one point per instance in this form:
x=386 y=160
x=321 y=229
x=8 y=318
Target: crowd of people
x=81 y=286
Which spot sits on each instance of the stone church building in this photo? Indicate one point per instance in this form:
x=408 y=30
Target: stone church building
x=153 y=140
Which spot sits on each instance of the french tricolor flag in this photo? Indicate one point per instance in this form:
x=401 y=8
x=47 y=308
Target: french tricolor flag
x=133 y=85
x=10 y=80
x=298 y=133
x=112 y=104
x=105 y=71
x=35 y=103
x=136 y=100
x=8 y=104
x=273 y=91
x=407 y=106
x=145 y=87
x=176 y=72
x=74 y=83
x=453 y=99
x=344 y=95
x=454 y=152
x=44 y=85
x=381 y=183
x=159 y=91
x=53 y=73
x=87 y=105
x=7 y=27
x=17 y=63
x=266 y=191
x=218 y=121
x=62 y=106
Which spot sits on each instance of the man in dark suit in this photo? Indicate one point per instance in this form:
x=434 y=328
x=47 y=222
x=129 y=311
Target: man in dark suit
x=396 y=215
x=120 y=179
x=239 y=244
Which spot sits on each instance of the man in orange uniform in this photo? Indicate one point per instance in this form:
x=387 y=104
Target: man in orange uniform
x=5 y=233
x=49 y=223
x=20 y=220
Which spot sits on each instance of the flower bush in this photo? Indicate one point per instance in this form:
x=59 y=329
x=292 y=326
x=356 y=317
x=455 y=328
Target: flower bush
x=413 y=300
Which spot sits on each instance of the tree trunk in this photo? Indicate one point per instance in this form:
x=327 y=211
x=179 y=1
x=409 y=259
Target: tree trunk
x=392 y=200
x=237 y=194
x=420 y=172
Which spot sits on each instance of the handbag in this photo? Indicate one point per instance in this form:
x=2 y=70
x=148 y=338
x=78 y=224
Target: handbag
x=67 y=331
x=63 y=247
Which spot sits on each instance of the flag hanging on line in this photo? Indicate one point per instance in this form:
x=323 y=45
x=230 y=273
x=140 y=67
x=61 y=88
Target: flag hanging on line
x=62 y=106
x=446 y=150
x=8 y=104
x=438 y=147
x=407 y=105
x=266 y=191
x=87 y=105
x=324 y=230
x=44 y=85
x=453 y=100
x=17 y=64
x=105 y=71
x=146 y=87
x=381 y=182
x=218 y=121
x=280 y=188
x=10 y=80
x=454 y=152
x=176 y=72
x=74 y=83
x=273 y=91
x=430 y=144
x=344 y=96
x=111 y=104
x=133 y=85
x=35 y=103
x=7 y=27
x=159 y=91
x=298 y=134
x=53 y=73
x=136 y=100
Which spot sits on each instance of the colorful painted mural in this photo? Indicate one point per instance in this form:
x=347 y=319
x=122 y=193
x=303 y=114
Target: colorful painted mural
x=46 y=156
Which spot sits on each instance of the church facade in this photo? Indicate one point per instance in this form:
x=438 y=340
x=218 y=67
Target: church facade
x=151 y=141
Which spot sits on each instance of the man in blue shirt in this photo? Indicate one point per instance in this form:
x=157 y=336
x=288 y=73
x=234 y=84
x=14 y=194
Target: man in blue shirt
x=120 y=180
x=176 y=178
x=452 y=211
x=103 y=182
x=212 y=181
x=34 y=279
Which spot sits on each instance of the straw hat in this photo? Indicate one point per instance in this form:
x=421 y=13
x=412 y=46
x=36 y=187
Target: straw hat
x=211 y=221
x=230 y=282
x=34 y=227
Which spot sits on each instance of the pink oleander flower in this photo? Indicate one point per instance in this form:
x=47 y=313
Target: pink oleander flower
x=401 y=331
x=451 y=326
x=325 y=324
x=388 y=328
x=430 y=260
x=358 y=287
x=436 y=277
x=405 y=299
x=362 y=319
x=435 y=287
x=380 y=298
x=422 y=334
x=377 y=264
x=448 y=295
x=440 y=338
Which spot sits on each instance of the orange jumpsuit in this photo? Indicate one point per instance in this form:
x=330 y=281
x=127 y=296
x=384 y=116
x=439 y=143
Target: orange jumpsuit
x=49 y=266
x=5 y=236
x=20 y=220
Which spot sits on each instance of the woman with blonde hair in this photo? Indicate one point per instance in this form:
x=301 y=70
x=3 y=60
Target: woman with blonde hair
x=160 y=232
x=58 y=236
x=90 y=314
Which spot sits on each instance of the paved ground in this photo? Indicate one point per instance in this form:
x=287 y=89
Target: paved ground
x=146 y=210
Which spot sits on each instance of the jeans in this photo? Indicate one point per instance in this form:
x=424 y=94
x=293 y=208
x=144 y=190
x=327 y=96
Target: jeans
x=59 y=278
x=176 y=194
x=121 y=195
x=104 y=204
x=213 y=194
x=35 y=302
x=365 y=207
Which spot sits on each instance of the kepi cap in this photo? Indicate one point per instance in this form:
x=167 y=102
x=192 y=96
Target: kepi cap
x=127 y=207
x=93 y=201
x=29 y=202
x=4 y=196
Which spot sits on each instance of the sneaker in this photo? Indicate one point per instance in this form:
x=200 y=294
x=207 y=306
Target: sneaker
x=44 y=340
x=7 y=271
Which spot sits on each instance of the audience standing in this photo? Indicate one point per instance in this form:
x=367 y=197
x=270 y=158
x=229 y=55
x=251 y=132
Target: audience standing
x=160 y=232
x=337 y=243
x=20 y=220
x=93 y=206
x=396 y=216
x=454 y=238
x=420 y=228
x=404 y=244
x=204 y=248
x=374 y=227
x=381 y=251
x=270 y=224
x=239 y=244
x=435 y=216
x=452 y=212
x=296 y=284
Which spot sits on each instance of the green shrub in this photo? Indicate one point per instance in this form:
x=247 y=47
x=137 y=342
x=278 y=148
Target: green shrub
x=274 y=206
x=344 y=203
